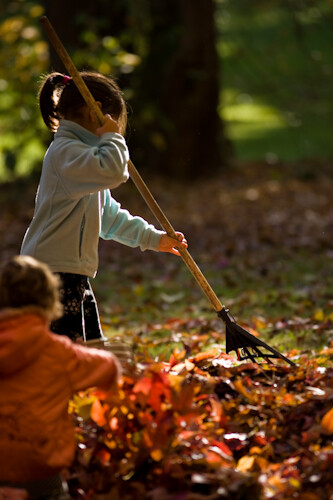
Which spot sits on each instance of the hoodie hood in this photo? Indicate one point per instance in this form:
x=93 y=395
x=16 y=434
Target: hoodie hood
x=23 y=334
x=71 y=130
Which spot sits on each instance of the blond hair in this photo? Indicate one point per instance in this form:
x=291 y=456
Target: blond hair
x=24 y=282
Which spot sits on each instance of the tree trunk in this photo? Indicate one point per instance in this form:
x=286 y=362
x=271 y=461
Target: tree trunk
x=66 y=27
x=190 y=94
x=179 y=85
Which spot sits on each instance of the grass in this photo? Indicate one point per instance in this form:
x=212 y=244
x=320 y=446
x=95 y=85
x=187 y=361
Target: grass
x=277 y=67
x=289 y=305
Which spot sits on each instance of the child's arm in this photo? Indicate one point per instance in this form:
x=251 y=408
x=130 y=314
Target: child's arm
x=85 y=164
x=166 y=244
x=119 y=225
x=88 y=367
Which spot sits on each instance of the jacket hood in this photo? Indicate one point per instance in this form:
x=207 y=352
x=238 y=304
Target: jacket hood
x=23 y=334
x=72 y=130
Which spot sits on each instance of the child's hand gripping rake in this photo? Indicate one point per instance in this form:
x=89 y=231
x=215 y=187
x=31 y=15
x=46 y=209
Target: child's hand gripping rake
x=246 y=345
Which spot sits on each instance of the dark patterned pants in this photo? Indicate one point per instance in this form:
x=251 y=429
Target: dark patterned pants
x=80 y=318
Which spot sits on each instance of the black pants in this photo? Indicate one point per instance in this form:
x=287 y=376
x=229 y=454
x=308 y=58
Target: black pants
x=80 y=318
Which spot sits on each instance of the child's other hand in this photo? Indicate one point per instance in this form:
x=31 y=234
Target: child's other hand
x=109 y=125
x=168 y=244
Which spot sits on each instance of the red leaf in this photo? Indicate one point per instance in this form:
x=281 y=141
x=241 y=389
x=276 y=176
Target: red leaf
x=143 y=385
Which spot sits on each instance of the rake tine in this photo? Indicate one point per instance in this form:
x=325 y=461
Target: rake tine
x=249 y=355
x=258 y=352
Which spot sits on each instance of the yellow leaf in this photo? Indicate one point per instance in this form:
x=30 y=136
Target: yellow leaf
x=295 y=483
x=245 y=463
x=175 y=381
x=82 y=405
x=110 y=443
x=124 y=410
x=259 y=322
x=319 y=315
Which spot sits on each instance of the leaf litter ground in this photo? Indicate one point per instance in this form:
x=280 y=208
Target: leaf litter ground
x=190 y=422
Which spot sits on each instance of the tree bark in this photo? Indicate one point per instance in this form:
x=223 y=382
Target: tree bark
x=180 y=84
x=190 y=93
x=63 y=16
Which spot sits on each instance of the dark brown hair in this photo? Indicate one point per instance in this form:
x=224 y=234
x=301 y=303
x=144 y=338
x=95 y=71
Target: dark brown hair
x=60 y=98
x=24 y=281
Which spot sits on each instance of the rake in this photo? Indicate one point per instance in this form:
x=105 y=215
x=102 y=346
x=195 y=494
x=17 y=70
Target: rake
x=245 y=345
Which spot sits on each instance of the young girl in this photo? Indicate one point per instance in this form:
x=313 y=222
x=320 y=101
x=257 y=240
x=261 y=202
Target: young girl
x=39 y=373
x=74 y=206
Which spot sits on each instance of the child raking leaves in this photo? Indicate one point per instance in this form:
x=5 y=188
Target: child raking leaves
x=74 y=206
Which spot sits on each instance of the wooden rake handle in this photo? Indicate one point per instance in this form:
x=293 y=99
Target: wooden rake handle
x=135 y=176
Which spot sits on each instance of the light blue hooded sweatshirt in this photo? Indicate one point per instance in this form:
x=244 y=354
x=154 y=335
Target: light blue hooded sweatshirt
x=74 y=206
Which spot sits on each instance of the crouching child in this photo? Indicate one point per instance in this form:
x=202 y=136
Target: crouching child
x=39 y=373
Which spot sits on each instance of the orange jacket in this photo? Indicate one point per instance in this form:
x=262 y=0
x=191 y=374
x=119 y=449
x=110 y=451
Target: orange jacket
x=39 y=373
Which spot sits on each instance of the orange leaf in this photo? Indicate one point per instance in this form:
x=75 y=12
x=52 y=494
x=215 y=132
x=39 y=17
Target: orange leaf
x=97 y=413
x=239 y=386
x=214 y=454
x=156 y=455
x=217 y=410
x=328 y=351
x=104 y=456
x=173 y=361
x=327 y=421
x=201 y=356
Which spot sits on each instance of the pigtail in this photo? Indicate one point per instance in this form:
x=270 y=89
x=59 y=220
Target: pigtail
x=48 y=97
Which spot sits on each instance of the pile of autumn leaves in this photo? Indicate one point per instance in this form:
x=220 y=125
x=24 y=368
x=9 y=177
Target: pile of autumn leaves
x=208 y=427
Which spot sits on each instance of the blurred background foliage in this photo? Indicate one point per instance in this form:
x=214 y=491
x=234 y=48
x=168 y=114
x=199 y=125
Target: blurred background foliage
x=207 y=82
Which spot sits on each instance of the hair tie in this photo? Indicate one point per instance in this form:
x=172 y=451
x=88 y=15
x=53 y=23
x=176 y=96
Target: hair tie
x=65 y=80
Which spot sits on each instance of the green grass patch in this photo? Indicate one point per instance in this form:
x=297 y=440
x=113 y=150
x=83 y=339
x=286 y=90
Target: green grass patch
x=277 y=66
x=289 y=305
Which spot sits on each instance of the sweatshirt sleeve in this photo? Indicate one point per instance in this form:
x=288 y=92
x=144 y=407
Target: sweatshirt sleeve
x=119 y=225
x=83 y=169
x=88 y=367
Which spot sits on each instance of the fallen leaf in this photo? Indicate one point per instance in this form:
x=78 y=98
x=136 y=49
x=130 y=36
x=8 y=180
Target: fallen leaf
x=327 y=421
